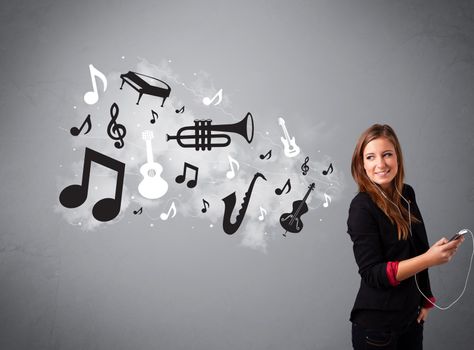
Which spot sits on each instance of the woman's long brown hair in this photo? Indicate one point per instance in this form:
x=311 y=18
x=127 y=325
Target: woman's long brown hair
x=397 y=215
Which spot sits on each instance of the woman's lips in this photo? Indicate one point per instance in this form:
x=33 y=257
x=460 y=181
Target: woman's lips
x=382 y=173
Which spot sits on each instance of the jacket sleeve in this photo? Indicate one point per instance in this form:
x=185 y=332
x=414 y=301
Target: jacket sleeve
x=368 y=251
x=422 y=246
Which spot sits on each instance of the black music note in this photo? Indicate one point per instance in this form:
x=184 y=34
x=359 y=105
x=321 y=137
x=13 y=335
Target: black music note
x=75 y=195
x=75 y=131
x=325 y=172
x=268 y=154
x=155 y=116
x=191 y=183
x=180 y=110
x=204 y=202
x=114 y=130
x=305 y=166
x=279 y=191
x=139 y=211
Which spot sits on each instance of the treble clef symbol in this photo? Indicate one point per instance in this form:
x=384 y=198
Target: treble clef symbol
x=305 y=166
x=114 y=130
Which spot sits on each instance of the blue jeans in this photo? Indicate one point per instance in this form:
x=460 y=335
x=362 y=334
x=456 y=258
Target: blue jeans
x=410 y=338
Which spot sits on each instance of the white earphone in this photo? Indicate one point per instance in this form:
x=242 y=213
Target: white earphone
x=463 y=231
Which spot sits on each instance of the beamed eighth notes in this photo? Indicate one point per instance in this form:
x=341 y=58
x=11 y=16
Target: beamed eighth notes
x=74 y=196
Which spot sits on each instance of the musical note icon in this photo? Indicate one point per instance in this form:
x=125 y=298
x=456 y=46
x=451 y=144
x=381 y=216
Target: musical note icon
x=279 y=191
x=75 y=195
x=75 y=131
x=329 y=171
x=305 y=167
x=231 y=173
x=326 y=198
x=138 y=212
x=155 y=116
x=114 y=130
x=92 y=97
x=268 y=154
x=191 y=183
x=207 y=101
x=165 y=216
x=180 y=110
x=263 y=212
x=204 y=202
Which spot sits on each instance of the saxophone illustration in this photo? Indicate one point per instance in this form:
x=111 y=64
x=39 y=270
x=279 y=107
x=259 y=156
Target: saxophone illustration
x=229 y=203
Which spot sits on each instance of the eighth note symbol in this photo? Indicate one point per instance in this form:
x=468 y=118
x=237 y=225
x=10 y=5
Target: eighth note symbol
x=155 y=116
x=231 y=173
x=305 y=166
x=207 y=101
x=263 y=212
x=91 y=97
x=329 y=171
x=268 y=154
x=279 y=191
x=180 y=110
x=204 y=202
x=138 y=212
x=326 y=198
x=165 y=216
x=75 y=131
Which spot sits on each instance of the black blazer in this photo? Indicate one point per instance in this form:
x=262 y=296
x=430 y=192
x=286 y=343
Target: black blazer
x=375 y=242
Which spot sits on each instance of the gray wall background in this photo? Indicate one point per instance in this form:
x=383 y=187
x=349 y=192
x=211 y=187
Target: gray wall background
x=332 y=66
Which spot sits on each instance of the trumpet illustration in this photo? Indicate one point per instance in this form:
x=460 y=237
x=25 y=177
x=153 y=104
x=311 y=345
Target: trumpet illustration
x=202 y=136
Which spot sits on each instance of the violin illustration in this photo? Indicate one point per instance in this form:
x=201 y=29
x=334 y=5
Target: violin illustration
x=152 y=186
x=291 y=148
x=292 y=221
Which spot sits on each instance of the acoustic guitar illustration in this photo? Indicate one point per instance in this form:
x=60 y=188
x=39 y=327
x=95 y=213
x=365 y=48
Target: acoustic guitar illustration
x=152 y=186
x=292 y=221
x=291 y=148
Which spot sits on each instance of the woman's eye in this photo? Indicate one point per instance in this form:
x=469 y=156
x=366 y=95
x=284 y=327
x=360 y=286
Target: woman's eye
x=370 y=157
x=387 y=154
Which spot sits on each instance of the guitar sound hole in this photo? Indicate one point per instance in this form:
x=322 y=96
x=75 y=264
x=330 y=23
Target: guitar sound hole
x=151 y=173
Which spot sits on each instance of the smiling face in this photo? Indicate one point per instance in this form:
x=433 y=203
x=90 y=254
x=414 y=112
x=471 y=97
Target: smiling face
x=380 y=162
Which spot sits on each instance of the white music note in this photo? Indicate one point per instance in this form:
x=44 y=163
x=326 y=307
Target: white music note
x=231 y=173
x=262 y=215
x=326 y=198
x=164 y=216
x=92 y=97
x=207 y=101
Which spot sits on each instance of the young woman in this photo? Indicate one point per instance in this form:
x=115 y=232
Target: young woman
x=390 y=247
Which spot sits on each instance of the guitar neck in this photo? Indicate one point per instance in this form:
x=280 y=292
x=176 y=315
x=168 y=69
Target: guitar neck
x=287 y=136
x=149 y=152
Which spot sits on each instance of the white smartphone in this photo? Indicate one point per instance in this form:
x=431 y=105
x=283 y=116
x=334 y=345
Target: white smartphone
x=458 y=235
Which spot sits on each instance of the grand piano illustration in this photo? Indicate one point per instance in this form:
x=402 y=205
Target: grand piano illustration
x=144 y=84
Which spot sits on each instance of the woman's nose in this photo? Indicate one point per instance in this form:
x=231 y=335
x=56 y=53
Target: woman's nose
x=381 y=163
